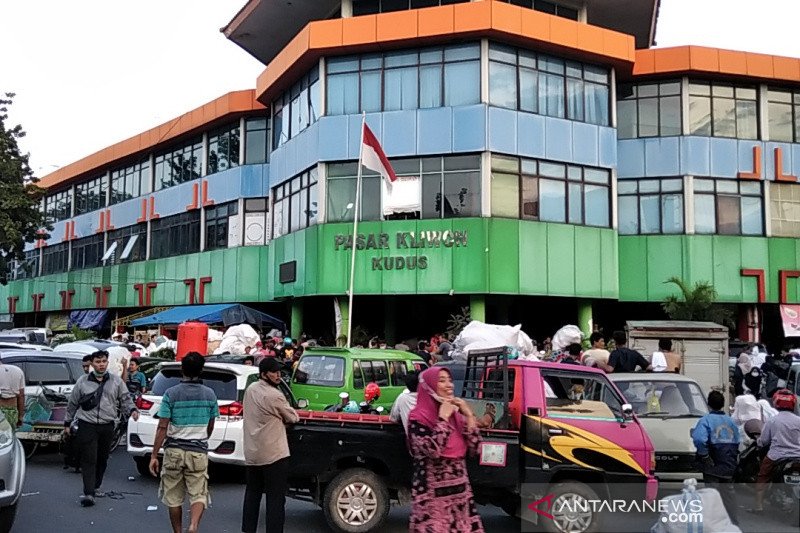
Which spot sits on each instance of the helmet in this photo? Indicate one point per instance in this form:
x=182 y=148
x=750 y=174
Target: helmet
x=784 y=399
x=372 y=392
x=351 y=407
x=753 y=428
x=287 y=340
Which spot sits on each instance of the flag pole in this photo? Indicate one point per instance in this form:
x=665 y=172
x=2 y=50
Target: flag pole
x=356 y=213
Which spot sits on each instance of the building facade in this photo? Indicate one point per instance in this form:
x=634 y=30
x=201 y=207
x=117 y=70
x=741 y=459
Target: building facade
x=564 y=169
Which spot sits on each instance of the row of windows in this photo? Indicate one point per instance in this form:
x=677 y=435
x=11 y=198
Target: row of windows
x=90 y=195
x=58 y=206
x=371 y=7
x=130 y=182
x=223 y=149
x=649 y=110
x=296 y=109
x=296 y=203
x=538 y=83
x=179 y=165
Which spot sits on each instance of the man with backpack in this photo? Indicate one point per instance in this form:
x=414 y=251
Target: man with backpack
x=96 y=402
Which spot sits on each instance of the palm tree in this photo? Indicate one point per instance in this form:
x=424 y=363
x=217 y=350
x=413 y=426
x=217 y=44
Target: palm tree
x=695 y=303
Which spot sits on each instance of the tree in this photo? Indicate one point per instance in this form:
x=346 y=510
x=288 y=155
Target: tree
x=20 y=217
x=696 y=303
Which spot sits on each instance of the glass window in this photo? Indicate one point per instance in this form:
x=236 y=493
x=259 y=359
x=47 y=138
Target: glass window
x=218 y=223
x=648 y=110
x=90 y=195
x=598 y=400
x=55 y=258
x=320 y=370
x=255 y=140
x=47 y=373
x=728 y=207
x=86 y=252
x=299 y=107
x=722 y=110
x=652 y=206
x=130 y=182
x=296 y=203
x=782 y=111
x=127 y=244
x=223 y=148
x=58 y=206
x=178 y=165
x=175 y=235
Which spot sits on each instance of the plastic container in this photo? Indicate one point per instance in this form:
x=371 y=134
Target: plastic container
x=192 y=337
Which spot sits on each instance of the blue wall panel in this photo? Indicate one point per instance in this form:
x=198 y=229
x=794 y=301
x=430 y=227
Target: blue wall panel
x=557 y=136
x=695 y=156
x=469 y=128
x=530 y=135
x=399 y=136
x=724 y=155
x=630 y=154
x=608 y=147
x=332 y=138
x=502 y=130
x=585 y=141
x=435 y=131
x=661 y=156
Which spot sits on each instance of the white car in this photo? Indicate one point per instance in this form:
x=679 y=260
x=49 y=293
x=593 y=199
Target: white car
x=116 y=352
x=4 y=346
x=228 y=380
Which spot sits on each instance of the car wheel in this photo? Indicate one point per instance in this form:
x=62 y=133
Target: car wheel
x=571 y=509
x=356 y=501
x=7 y=515
x=143 y=466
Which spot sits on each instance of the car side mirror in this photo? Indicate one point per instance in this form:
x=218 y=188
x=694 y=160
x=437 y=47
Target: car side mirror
x=302 y=403
x=627 y=411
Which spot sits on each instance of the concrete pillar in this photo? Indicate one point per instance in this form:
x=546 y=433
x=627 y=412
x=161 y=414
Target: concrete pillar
x=585 y=317
x=477 y=307
x=296 y=327
x=390 y=320
x=343 y=307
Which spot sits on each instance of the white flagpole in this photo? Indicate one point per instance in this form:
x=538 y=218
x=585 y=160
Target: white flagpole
x=356 y=214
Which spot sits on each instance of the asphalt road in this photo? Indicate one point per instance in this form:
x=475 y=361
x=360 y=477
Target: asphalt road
x=50 y=503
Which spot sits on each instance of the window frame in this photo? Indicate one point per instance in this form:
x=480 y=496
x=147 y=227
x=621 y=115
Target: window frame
x=660 y=193
x=230 y=132
x=696 y=93
x=716 y=194
x=215 y=218
x=306 y=183
x=635 y=97
x=179 y=229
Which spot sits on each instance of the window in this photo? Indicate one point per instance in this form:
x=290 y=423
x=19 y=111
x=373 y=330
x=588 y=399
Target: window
x=296 y=203
x=398 y=371
x=783 y=110
x=27 y=268
x=223 y=149
x=217 y=224
x=784 y=209
x=179 y=165
x=371 y=7
x=407 y=79
x=450 y=188
x=175 y=235
x=675 y=399
x=551 y=192
x=728 y=207
x=90 y=195
x=537 y=83
x=649 y=110
x=650 y=206
x=358 y=377
x=223 y=383
x=721 y=110
x=320 y=370
x=296 y=109
x=47 y=373
x=86 y=252
x=256 y=133
x=130 y=182
x=544 y=6
x=58 y=206
x=127 y=245
x=573 y=395
x=55 y=258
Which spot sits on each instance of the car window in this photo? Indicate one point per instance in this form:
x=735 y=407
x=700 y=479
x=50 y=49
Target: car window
x=381 y=374
x=579 y=395
x=369 y=372
x=222 y=383
x=47 y=373
x=76 y=366
x=664 y=398
x=320 y=370
x=398 y=371
x=358 y=377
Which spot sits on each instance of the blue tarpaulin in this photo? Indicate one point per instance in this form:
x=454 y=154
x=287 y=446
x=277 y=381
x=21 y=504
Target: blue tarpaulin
x=225 y=314
x=89 y=319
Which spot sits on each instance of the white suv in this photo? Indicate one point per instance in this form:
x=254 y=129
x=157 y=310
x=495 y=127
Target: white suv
x=227 y=380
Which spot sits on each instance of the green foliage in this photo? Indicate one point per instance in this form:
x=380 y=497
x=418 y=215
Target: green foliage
x=696 y=303
x=167 y=354
x=457 y=322
x=20 y=217
x=75 y=334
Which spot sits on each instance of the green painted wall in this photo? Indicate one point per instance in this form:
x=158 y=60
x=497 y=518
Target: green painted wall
x=647 y=261
x=499 y=256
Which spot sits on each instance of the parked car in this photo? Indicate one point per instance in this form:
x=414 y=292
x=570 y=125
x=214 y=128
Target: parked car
x=226 y=443
x=24 y=346
x=30 y=335
x=679 y=403
x=12 y=472
x=323 y=373
x=116 y=351
x=546 y=442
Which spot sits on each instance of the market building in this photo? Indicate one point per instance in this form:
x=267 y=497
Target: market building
x=565 y=171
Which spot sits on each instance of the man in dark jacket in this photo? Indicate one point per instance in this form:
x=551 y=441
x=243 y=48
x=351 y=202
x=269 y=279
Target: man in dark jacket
x=716 y=438
x=623 y=359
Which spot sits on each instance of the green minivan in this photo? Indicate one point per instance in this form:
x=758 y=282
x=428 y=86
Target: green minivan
x=323 y=373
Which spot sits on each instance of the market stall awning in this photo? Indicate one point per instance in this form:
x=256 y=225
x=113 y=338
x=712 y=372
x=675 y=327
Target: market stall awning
x=225 y=314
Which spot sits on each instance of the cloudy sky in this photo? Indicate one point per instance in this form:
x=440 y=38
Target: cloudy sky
x=89 y=73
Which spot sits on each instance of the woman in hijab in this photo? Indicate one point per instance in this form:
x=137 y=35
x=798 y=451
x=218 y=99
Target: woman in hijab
x=441 y=430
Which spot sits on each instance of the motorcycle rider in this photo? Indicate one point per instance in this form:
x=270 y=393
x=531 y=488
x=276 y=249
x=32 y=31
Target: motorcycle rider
x=782 y=434
x=716 y=438
x=372 y=393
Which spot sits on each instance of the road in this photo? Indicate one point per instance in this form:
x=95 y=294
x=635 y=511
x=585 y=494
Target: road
x=50 y=503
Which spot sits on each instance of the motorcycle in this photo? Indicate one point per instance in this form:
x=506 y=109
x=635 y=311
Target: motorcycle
x=344 y=398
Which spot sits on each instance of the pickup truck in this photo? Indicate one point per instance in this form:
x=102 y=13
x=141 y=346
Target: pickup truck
x=557 y=431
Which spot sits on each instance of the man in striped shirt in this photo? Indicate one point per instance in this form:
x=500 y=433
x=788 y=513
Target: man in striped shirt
x=187 y=415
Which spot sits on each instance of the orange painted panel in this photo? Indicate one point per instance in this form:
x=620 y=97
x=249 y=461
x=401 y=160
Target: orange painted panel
x=473 y=16
x=326 y=34
x=590 y=39
x=703 y=59
x=535 y=25
x=672 y=59
x=786 y=68
x=645 y=62
x=397 y=25
x=564 y=32
x=359 y=30
x=731 y=62
x=618 y=45
x=435 y=21
x=507 y=18
x=197 y=118
x=759 y=65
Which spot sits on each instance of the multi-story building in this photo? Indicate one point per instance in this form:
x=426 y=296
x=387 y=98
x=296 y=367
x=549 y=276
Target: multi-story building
x=561 y=167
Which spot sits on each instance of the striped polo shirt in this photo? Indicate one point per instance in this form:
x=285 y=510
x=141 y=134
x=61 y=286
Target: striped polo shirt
x=189 y=406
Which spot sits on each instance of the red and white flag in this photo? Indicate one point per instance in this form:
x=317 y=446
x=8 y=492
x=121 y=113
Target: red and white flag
x=373 y=158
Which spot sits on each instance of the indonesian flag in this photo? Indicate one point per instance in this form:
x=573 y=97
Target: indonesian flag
x=373 y=158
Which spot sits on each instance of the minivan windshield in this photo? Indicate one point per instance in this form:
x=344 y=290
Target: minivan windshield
x=664 y=398
x=322 y=370
x=222 y=383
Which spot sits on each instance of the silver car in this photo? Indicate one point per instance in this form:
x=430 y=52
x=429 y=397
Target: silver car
x=12 y=474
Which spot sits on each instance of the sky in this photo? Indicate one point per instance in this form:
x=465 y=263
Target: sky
x=89 y=73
